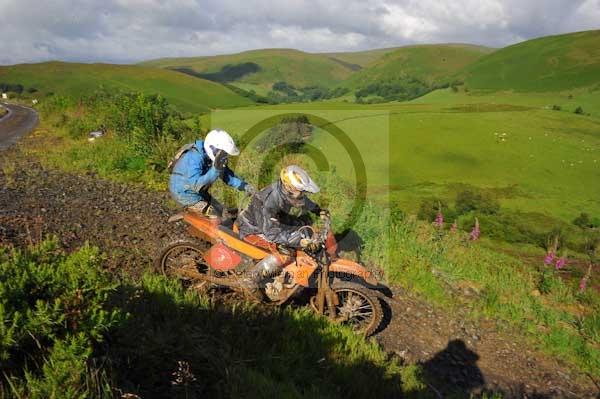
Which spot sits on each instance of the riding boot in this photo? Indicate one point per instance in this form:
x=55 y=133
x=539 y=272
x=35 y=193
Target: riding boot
x=266 y=267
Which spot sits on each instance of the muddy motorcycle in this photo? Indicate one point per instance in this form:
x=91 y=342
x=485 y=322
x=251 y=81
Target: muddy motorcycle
x=340 y=289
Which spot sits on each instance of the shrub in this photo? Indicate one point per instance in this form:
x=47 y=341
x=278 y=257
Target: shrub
x=583 y=221
x=430 y=207
x=54 y=309
x=579 y=110
x=468 y=200
x=556 y=107
x=291 y=131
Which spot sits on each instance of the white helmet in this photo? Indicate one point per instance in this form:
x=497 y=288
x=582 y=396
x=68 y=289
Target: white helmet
x=220 y=140
x=295 y=178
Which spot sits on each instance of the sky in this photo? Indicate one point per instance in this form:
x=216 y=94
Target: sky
x=126 y=31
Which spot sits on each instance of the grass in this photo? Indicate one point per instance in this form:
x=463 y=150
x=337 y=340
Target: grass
x=295 y=67
x=72 y=330
x=547 y=64
x=415 y=255
x=3 y=111
x=77 y=80
x=439 y=264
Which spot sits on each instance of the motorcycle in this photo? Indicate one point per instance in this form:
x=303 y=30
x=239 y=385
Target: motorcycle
x=340 y=289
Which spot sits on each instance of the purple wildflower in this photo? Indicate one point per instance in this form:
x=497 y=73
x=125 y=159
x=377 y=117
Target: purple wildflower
x=549 y=258
x=582 y=284
x=439 y=219
x=453 y=227
x=475 y=232
x=560 y=263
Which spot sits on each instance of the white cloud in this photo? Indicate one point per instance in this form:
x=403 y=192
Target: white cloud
x=132 y=30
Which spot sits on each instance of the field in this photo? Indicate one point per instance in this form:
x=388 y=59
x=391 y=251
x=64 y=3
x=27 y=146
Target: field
x=185 y=92
x=543 y=160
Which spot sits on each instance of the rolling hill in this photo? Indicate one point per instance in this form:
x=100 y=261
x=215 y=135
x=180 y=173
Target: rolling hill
x=551 y=63
x=292 y=66
x=429 y=63
x=185 y=92
x=360 y=58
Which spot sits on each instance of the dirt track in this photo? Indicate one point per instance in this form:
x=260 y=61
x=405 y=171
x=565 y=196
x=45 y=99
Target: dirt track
x=461 y=358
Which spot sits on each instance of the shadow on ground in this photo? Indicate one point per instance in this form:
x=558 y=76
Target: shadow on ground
x=176 y=344
x=453 y=372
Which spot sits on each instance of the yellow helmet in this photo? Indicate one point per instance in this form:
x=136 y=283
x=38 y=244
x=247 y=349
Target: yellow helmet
x=294 y=178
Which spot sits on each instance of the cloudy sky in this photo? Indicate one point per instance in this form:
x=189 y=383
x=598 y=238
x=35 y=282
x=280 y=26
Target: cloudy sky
x=133 y=30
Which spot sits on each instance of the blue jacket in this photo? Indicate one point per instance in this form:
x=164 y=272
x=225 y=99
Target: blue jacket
x=193 y=175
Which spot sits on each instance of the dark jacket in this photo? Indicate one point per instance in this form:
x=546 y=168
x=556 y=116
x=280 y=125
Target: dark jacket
x=268 y=214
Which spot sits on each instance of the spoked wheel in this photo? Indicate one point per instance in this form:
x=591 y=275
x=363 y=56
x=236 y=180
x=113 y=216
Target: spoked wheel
x=184 y=256
x=359 y=307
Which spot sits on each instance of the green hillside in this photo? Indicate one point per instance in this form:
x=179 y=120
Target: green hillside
x=429 y=63
x=361 y=58
x=185 y=92
x=292 y=66
x=551 y=63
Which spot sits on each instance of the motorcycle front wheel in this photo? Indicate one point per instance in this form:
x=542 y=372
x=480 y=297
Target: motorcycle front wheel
x=359 y=307
x=180 y=256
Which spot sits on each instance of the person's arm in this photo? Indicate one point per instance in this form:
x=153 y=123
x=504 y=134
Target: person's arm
x=232 y=180
x=311 y=206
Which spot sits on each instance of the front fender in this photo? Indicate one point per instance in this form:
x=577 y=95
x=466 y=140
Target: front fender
x=345 y=266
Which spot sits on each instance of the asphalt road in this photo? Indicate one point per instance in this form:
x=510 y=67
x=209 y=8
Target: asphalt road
x=19 y=121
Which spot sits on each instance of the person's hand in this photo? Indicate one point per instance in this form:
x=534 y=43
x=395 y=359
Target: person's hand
x=249 y=189
x=220 y=160
x=324 y=214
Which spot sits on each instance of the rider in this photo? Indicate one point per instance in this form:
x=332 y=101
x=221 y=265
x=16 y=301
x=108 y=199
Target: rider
x=267 y=220
x=198 y=165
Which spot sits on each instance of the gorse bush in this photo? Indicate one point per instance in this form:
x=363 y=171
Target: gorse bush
x=54 y=310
